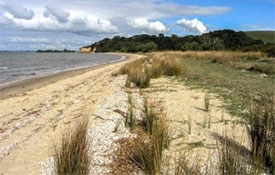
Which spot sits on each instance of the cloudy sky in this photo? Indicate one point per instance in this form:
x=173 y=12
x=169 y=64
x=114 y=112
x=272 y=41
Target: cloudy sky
x=60 y=24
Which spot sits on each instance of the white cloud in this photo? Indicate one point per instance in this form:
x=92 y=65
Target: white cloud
x=193 y=25
x=59 y=14
x=65 y=22
x=145 y=25
x=19 y=12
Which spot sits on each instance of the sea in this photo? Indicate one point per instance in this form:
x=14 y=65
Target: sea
x=23 y=65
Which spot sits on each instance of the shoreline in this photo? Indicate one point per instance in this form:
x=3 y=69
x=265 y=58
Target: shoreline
x=17 y=87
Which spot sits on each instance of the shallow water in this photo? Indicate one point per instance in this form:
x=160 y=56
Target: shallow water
x=22 y=65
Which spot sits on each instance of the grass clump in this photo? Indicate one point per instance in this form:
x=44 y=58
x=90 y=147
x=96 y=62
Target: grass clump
x=71 y=156
x=148 y=150
x=140 y=79
x=130 y=120
x=172 y=67
x=262 y=130
x=147 y=155
x=232 y=159
x=148 y=118
x=140 y=72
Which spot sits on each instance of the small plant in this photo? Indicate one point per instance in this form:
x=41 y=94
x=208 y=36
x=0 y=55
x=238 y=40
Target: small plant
x=71 y=156
x=130 y=119
x=209 y=121
x=206 y=103
x=148 y=118
x=189 y=124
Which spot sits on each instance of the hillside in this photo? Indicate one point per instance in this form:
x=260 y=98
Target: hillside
x=265 y=36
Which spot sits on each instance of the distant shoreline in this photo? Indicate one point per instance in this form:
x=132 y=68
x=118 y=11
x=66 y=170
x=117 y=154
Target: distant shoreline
x=17 y=87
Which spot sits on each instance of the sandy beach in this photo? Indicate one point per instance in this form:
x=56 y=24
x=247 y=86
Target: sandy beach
x=36 y=111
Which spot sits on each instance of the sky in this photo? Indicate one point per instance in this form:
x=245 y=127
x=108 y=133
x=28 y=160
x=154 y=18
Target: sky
x=70 y=24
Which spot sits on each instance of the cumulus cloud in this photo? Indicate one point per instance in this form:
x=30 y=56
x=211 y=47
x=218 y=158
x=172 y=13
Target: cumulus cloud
x=60 y=15
x=65 y=22
x=19 y=12
x=193 y=25
x=150 y=27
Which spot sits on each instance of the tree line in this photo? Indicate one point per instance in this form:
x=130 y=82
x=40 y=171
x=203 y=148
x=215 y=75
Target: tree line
x=215 y=40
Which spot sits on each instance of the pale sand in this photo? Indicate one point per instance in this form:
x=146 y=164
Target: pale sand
x=185 y=107
x=34 y=113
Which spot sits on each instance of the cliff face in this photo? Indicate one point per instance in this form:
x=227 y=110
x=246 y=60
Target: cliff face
x=87 y=50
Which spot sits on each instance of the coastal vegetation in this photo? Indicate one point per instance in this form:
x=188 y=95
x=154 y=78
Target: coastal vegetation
x=248 y=93
x=216 y=40
x=54 y=50
x=71 y=155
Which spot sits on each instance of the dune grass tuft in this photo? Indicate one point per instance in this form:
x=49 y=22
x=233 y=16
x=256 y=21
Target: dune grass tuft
x=71 y=156
x=262 y=130
x=147 y=151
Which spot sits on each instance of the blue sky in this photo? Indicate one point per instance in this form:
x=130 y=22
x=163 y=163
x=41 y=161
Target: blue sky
x=60 y=24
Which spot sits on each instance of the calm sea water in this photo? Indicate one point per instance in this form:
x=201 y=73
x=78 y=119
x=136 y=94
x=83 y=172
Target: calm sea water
x=21 y=65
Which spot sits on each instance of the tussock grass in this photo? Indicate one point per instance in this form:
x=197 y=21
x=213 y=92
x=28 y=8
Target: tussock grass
x=71 y=156
x=130 y=120
x=148 y=118
x=140 y=79
x=230 y=159
x=262 y=130
x=155 y=71
x=172 y=67
x=147 y=151
x=141 y=71
x=147 y=155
